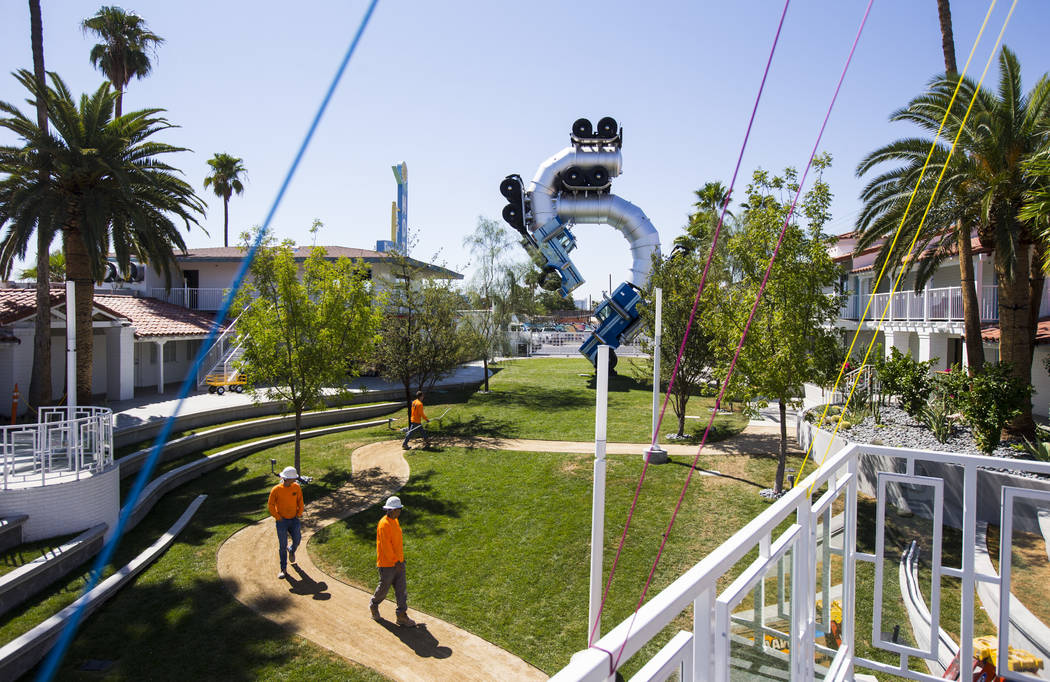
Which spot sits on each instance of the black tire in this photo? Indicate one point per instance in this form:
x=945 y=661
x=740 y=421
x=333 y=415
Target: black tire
x=211 y=389
x=512 y=214
x=220 y=390
x=598 y=176
x=238 y=389
x=612 y=362
x=582 y=128
x=573 y=176
x=607 y=128
x=510 y=188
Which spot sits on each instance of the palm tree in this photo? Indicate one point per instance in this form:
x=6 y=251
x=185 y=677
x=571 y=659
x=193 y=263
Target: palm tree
x=225 y=180
x=40 y=379
x=710 y=199
x=107 y=189
x=984 y=186
x=123 y=53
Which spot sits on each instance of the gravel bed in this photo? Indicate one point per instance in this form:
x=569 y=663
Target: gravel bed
x=901 y=431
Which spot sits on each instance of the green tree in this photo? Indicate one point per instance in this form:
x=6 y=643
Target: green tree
x=56 y=269
x=791 y=340
x=984 y=186
x=679 y=277
x=225 y=180
x=489 y=292
x=710 y=200
x=124 y=51
x=106 y=189
x=421 y=338
x=304 y=334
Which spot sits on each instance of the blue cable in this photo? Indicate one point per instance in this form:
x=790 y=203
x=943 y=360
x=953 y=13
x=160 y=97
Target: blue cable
x=55 y=656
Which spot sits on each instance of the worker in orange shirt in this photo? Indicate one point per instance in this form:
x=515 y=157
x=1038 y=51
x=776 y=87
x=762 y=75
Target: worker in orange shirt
x=415 y=423
x=286 y=506
x=390 y=559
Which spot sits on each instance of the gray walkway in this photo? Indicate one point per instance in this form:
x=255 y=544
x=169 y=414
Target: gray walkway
x=148 y=406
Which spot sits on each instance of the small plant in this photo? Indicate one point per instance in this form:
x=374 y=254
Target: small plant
x=995 y=397
x=1039 y=450
x=937 y=417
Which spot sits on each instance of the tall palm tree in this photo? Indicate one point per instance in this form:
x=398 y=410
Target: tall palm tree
x=40 y=379
x=225 y=180
x=710 y=199
x=123 y=54
x=107 y=189
x=968 y=287
x=984 y=185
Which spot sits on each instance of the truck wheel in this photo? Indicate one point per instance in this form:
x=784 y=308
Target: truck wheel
x=612 y=362
x=238 y=389
x=220 y=390
x=211 y=389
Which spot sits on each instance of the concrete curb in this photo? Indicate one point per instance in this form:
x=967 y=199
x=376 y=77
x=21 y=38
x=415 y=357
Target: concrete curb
x=22 y=653
x=26 y=581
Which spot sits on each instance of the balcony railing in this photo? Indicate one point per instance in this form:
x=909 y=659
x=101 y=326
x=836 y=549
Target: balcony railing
x=61 y=444
x=772 y=613
x=195 y=299
x=932 y=305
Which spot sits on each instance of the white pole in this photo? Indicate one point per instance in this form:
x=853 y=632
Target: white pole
x=71 y=346
x=601 y=403
x=655 y=454
x=656 y=356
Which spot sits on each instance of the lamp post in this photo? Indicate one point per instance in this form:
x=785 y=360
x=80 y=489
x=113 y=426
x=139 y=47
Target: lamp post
x=655 y=454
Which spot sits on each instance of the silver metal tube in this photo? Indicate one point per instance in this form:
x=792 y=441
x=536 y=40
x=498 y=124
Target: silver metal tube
x=542 y=185
x=625 y=217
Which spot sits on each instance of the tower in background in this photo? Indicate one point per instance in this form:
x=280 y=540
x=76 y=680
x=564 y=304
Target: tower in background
x=398 y=215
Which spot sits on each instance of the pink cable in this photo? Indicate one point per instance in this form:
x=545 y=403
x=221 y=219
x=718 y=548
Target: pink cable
x=743 y=336
x=689 y=324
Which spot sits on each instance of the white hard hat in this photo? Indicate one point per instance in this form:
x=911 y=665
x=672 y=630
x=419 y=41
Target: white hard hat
x=289 y=473
x=392 y=502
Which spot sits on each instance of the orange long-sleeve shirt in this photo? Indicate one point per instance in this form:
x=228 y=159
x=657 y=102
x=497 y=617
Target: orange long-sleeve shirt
x=417 y=412
x=286 y=502
x=389 y=549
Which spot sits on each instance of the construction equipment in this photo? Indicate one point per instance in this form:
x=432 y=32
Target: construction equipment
x=986 y=659
x=220 y=383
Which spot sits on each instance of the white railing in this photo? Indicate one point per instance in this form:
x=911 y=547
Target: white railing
x=220 y=351
x=61 y=444
x=194 y=299
x=937 y=305
x=792 y=538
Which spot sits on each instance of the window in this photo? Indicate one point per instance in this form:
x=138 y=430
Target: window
x=169 y=351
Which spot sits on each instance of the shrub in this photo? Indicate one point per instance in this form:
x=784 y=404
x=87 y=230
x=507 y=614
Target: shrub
x=951 y=386
x=995 y=397
x=902 y=376
x=937 y=417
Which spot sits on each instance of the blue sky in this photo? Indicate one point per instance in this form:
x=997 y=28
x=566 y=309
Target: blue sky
x=468 y=91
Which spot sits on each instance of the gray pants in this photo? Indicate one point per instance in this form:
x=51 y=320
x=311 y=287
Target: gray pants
x=392 y=575
x=415 y=430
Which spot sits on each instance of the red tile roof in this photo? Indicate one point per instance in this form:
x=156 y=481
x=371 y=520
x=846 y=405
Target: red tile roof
x=1042 y=332
x=18 y=304
x=237 y=253
x=153 y=317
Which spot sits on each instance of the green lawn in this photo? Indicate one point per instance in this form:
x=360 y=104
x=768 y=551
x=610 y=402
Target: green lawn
x=553 y=399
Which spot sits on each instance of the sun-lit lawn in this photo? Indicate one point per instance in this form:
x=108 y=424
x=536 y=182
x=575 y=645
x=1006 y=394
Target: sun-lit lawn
x=553 y=399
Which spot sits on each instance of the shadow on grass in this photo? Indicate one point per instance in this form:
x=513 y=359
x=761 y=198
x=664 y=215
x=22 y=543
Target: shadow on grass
x=477 y=426
x=619 y=383
x=422 y=500
x=689 y=465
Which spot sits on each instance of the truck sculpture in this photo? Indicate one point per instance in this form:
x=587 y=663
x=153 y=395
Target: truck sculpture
x=574 y=186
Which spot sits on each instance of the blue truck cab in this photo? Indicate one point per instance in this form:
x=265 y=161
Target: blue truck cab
x=618 y=322
x=554 y=241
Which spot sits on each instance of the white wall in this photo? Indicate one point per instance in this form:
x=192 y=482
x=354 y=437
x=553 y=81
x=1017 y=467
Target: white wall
x=64 y=508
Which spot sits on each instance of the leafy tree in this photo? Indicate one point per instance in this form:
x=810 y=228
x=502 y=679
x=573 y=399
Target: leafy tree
x=679 y=277
x=711 y=199
x=106 y=188
x=124 y=51
x=489 y=288
x=420 y=339
x=791 y=339
x=303 y=335
x=984 y=186
x=56 y=270
x=225 y=180
x=995 y=397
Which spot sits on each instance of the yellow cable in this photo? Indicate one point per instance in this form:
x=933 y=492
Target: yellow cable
x=911 y=247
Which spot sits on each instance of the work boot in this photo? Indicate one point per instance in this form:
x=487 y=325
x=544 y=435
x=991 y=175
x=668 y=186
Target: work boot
x=404 y=621
x=291 y=555
x=375 y=612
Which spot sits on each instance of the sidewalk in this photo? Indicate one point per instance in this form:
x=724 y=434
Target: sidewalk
x=150 y=406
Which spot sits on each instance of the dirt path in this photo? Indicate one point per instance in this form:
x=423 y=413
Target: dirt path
x=335 y=615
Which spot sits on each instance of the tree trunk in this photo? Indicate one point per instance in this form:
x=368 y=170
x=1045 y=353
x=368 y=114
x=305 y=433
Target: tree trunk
x=298 y=427
x=485 y=366
x=408 y=400
x=225 y=221
x=40 y=379
x=944 y=14
x=782 y=453
x=78 y=270
x=1035 y=292
x=1015 y=334
x=971 y=310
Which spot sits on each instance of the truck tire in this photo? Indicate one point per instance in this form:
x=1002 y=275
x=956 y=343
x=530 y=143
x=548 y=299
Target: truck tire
x=220 y=390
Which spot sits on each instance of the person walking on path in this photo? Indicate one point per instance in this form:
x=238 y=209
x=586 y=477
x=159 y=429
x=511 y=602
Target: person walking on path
x=415 y=423
x=286 y=506
x=390 y=559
